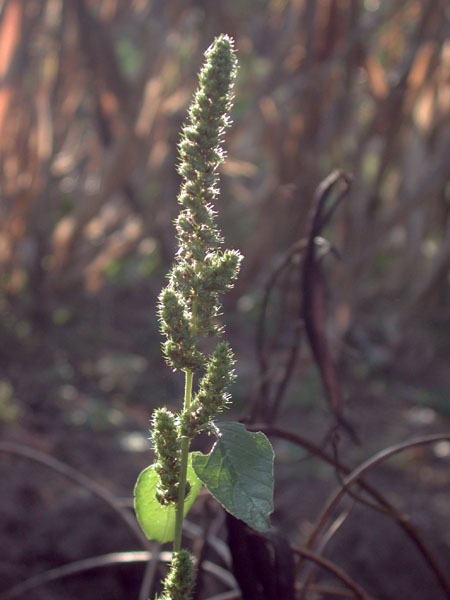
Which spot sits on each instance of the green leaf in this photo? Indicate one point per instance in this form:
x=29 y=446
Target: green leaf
x=158 y=521
x=239 y=473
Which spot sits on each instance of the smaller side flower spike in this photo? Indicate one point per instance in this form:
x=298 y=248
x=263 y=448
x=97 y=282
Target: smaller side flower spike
x=180 y=346
x=167 y=450
x=179 y=582
x=211 y=396
x=218 y=274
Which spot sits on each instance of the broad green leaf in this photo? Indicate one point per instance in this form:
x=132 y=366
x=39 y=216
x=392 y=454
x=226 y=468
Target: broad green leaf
x=239 y=473
x=158 y=521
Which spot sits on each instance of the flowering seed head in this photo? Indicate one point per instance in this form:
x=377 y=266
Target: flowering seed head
x=179 y=583
x=166 y=446
x=202 y=271
x=211 y=396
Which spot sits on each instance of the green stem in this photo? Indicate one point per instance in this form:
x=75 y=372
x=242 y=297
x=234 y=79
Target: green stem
x=183 y=468
x=185 y=442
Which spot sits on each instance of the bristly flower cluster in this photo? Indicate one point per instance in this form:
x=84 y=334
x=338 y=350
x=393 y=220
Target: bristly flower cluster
x=202 y=271
x=189 y=305
x=179 y=582
x=166 y=446
x=211 y=396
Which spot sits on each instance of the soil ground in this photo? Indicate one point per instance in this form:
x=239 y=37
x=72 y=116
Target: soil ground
x=83 y=393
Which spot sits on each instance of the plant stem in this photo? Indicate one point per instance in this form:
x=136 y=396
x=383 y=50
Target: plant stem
x=183 y=468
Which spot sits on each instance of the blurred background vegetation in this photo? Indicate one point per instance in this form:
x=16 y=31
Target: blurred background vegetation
x=92 y=97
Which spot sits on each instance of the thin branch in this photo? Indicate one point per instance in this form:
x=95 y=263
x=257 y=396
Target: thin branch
x=324 y=541
x=263 y=359
x=150 y=572
x=349 y=491
x=80 y=566
x=287 y=369
x=107 y=560
x=334 y=527
x=329 y=590
x=191 y=530
x=332 y=568
x=401 y=519
x=313 y=309
x=81 y=480
x=355 y=476
x=232 y=595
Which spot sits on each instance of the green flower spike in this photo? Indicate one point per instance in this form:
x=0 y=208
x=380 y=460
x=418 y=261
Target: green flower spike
x=202 y=271
x=211 y=397
x=180 y=347
x=179 y=582
x=188 y=308
x=167 y=450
